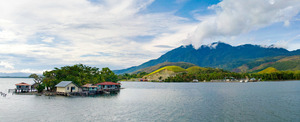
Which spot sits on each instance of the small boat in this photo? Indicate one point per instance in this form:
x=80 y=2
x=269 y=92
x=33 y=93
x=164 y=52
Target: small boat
x=244 y=81
x=106 y=92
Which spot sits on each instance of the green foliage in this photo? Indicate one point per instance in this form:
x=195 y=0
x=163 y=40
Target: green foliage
x=109 y=75
x=127 y=76
x=207 y=76
x=263 y=60
x=268 y=70
x=287 y=65
x=282 y=63
x=40 y=88
x=36 y=78
x=279 y=75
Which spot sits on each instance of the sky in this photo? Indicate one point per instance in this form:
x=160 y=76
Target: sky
x=38 y=35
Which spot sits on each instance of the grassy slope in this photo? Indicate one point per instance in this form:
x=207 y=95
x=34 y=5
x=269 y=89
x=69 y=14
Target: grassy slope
x=195 y=69
x=268 y=70
x=170 y=68
x=161 y=65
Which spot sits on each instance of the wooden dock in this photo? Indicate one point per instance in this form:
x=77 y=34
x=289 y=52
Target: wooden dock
x=81 y=93
x=3 y=94
x=89 y=93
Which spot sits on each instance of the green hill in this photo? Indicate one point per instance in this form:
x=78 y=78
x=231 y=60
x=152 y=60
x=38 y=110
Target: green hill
x=169 y=68
x=282 y=63
x=164 y=73
x=268 y=70
x=196 y=69
x=161 y=65
x=169 y=71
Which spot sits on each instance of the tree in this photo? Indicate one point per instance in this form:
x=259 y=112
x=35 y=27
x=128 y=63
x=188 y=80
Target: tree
x=36 y=78
x=160 y=77
x=80 y=74
x=50 y=80
x=40 y=88
x=109 y=75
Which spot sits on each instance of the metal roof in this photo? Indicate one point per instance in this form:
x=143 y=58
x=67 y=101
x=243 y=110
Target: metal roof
x=108 y=83
x=23 y=84
x=63 y=83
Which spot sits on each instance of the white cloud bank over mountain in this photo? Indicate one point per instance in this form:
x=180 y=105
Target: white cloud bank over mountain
x=235 y=17
x=42 y=34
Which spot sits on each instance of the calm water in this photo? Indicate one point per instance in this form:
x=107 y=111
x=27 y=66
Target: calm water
x=265 y=101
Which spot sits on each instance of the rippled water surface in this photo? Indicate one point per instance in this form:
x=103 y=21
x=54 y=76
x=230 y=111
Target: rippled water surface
x=264 y=101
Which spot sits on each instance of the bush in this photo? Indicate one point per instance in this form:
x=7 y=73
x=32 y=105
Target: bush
x=40 y=88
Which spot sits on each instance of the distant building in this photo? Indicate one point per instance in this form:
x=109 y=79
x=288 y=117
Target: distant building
x=23 y=87
x=143 y=80
x=66 y=87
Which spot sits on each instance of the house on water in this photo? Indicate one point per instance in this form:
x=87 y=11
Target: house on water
x=108 y=85
x=89 y=87
x=23 y=87
x=65 y=87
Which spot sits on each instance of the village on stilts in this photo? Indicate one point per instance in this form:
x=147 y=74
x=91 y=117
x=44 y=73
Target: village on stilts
x=68 y=88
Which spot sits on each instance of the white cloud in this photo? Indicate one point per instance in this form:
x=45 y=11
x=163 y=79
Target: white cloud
x=48 y=39
x=37 y=35
x=55 y=32
x=238 y=17
x=6 y=65
x=286 y=23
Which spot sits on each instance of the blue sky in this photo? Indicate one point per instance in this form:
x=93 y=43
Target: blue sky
x=39 y=35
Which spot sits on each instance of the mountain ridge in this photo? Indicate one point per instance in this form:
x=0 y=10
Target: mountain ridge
x=216 y=55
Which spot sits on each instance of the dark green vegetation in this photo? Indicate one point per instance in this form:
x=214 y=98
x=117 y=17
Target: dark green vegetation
x=127 y=76
x=219 y=55
x=282 y=63
x=38 y=80
x=80 y=74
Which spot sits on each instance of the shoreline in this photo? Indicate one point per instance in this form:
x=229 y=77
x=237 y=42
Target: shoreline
x=212 y=81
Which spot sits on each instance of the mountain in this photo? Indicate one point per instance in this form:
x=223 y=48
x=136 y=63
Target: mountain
x=13 y=75
x=217 y=55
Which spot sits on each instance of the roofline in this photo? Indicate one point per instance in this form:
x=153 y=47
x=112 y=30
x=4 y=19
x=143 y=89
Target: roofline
x=67 y=84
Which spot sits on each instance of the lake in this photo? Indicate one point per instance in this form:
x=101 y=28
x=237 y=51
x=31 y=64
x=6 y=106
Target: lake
x=143 y=101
